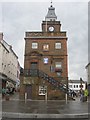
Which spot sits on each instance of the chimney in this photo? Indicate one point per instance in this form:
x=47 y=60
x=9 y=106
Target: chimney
x=1 y=36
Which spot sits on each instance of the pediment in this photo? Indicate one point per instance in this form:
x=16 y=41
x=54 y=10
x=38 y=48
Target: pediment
x=35 y=53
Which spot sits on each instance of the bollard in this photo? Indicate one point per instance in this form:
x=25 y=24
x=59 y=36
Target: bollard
x=66 y=98
x=25 y=97
x=46 y=96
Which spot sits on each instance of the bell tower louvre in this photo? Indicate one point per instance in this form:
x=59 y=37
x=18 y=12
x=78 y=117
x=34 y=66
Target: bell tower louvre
x=45 y=61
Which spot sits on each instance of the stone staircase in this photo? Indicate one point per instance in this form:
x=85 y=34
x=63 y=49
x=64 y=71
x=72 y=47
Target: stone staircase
x=49 y=79
x=52 y=81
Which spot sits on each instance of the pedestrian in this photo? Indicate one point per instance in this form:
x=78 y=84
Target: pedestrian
x=85 y=94
x=81 y=95
x=3 y=92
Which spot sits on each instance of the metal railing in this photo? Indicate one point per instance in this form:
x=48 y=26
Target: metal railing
x=51 y=80
x=31 y=72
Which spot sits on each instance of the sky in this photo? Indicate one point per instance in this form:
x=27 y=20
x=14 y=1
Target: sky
x=18 y=17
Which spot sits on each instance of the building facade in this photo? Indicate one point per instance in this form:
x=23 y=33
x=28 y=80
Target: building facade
x=45 y=61
x=8 y=64
x=76 y=85
x=88 y=72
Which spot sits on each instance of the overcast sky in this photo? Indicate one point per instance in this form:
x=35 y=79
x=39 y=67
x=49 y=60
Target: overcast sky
x=19 y=17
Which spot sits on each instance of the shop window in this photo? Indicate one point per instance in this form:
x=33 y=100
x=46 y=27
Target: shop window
x=58 y=45
x=34 y=45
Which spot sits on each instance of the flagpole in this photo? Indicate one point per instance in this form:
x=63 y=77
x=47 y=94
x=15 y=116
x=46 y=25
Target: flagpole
x=46 y=26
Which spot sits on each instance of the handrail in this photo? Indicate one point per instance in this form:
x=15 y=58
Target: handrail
x=51 y=80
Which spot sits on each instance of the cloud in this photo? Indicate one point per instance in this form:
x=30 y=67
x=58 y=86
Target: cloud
x=44 y=1
x=0 y=17
x=22 y=17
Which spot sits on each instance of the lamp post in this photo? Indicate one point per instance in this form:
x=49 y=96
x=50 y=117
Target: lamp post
x=81 y=85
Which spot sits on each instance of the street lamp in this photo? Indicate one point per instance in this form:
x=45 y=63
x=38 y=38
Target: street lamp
x=81 y=86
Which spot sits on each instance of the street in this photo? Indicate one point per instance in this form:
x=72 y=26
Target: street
x=15 y=108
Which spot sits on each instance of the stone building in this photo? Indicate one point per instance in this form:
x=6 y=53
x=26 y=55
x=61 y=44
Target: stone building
x=8 y=63
x=45 y=62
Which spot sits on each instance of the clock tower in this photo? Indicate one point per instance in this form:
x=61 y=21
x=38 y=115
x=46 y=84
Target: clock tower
x=51 y=24
x=45 y=60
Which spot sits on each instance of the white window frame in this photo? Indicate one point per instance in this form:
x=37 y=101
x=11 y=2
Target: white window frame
x=58 y=65
x=34 y=45
x=42 y=90
x=58 y=45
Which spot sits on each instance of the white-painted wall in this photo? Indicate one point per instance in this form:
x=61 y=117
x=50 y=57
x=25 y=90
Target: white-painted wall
x=76 y=86
x=8 y=61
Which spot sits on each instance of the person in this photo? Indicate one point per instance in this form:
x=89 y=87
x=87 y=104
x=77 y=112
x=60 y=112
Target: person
x=81 y=95
x=3 y=92
x=86 y=94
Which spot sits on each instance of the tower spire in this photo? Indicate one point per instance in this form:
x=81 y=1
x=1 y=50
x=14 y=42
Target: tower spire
x=51 y=16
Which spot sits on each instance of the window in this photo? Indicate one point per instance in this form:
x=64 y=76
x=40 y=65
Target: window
x=58 y=74
x=46 y=47
x=34 y=45
x=45 y=60
x=58 y=45
x=58 y=67
x=70 y=86
x=81 y=86
x=42 y=90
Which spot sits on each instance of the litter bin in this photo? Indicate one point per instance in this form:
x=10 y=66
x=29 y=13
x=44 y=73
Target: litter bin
x=7 y=97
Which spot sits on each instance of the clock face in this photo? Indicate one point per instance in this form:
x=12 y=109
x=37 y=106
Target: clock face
x=51 y=28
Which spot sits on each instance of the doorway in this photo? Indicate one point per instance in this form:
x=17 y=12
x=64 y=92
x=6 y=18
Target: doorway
x=29 y=91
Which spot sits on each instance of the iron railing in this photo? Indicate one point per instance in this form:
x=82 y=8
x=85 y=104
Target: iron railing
x=51 y=80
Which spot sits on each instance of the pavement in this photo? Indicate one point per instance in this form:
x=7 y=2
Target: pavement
x=15 y=108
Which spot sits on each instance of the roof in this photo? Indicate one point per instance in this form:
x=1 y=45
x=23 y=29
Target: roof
x=8 y=47
x=87 y=65
x=75 y=81
x=1 y=36
x=51 y=13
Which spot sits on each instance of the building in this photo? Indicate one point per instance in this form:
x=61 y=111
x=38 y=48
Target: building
x=45 y=61
x=88 y=76
x=18 y=77
x=8 y=64
x=76 y=85
x=1 y=38
x=88 y=72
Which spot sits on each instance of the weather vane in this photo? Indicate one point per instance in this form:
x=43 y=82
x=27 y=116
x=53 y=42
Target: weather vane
x=51 y=2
